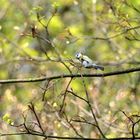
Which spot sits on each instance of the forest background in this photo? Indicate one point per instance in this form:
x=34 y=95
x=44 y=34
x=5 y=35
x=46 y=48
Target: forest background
x=43 y=94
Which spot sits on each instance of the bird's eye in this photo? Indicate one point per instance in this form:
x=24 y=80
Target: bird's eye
x=77 y=55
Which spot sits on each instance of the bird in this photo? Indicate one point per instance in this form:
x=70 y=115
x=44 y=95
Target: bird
x=87 y=62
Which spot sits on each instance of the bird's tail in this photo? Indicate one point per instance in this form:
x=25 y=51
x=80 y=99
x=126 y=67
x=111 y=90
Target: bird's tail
x=98 y=67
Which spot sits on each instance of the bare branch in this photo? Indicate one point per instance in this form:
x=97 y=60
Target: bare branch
x=130 y=118
x=90 y=106
x=36 y=116
x=65 y=94
x=40 y=79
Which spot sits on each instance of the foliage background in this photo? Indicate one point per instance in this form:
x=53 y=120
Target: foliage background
x=104 y=30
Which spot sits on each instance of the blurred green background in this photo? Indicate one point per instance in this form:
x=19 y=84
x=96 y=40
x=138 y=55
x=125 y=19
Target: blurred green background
x=107 y=31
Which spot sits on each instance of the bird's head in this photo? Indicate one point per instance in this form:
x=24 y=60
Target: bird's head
x=78 y=55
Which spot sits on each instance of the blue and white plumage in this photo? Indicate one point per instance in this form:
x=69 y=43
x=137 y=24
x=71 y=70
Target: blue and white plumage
x=87 y=62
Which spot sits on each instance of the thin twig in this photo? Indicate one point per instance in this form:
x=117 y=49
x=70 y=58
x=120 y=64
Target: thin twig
x=133 y=124
x=36 y=116
x=65 y=94
x=46 y=88
x=71 y=125
x=81 y=98
x=89 y=104
x=49 y=41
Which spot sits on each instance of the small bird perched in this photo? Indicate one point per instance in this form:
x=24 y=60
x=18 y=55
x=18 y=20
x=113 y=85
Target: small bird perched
x=87 y=62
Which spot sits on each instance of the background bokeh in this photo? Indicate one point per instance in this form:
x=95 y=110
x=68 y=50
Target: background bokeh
x=107 y=31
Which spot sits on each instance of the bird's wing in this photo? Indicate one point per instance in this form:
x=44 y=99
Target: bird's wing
x=86 y=58
x=86 y=64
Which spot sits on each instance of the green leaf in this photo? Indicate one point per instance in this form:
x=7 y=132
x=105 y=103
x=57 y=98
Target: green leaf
x=7 y=119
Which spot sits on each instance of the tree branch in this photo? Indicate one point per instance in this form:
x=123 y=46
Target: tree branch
x=40 y=79
x=66 y=138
